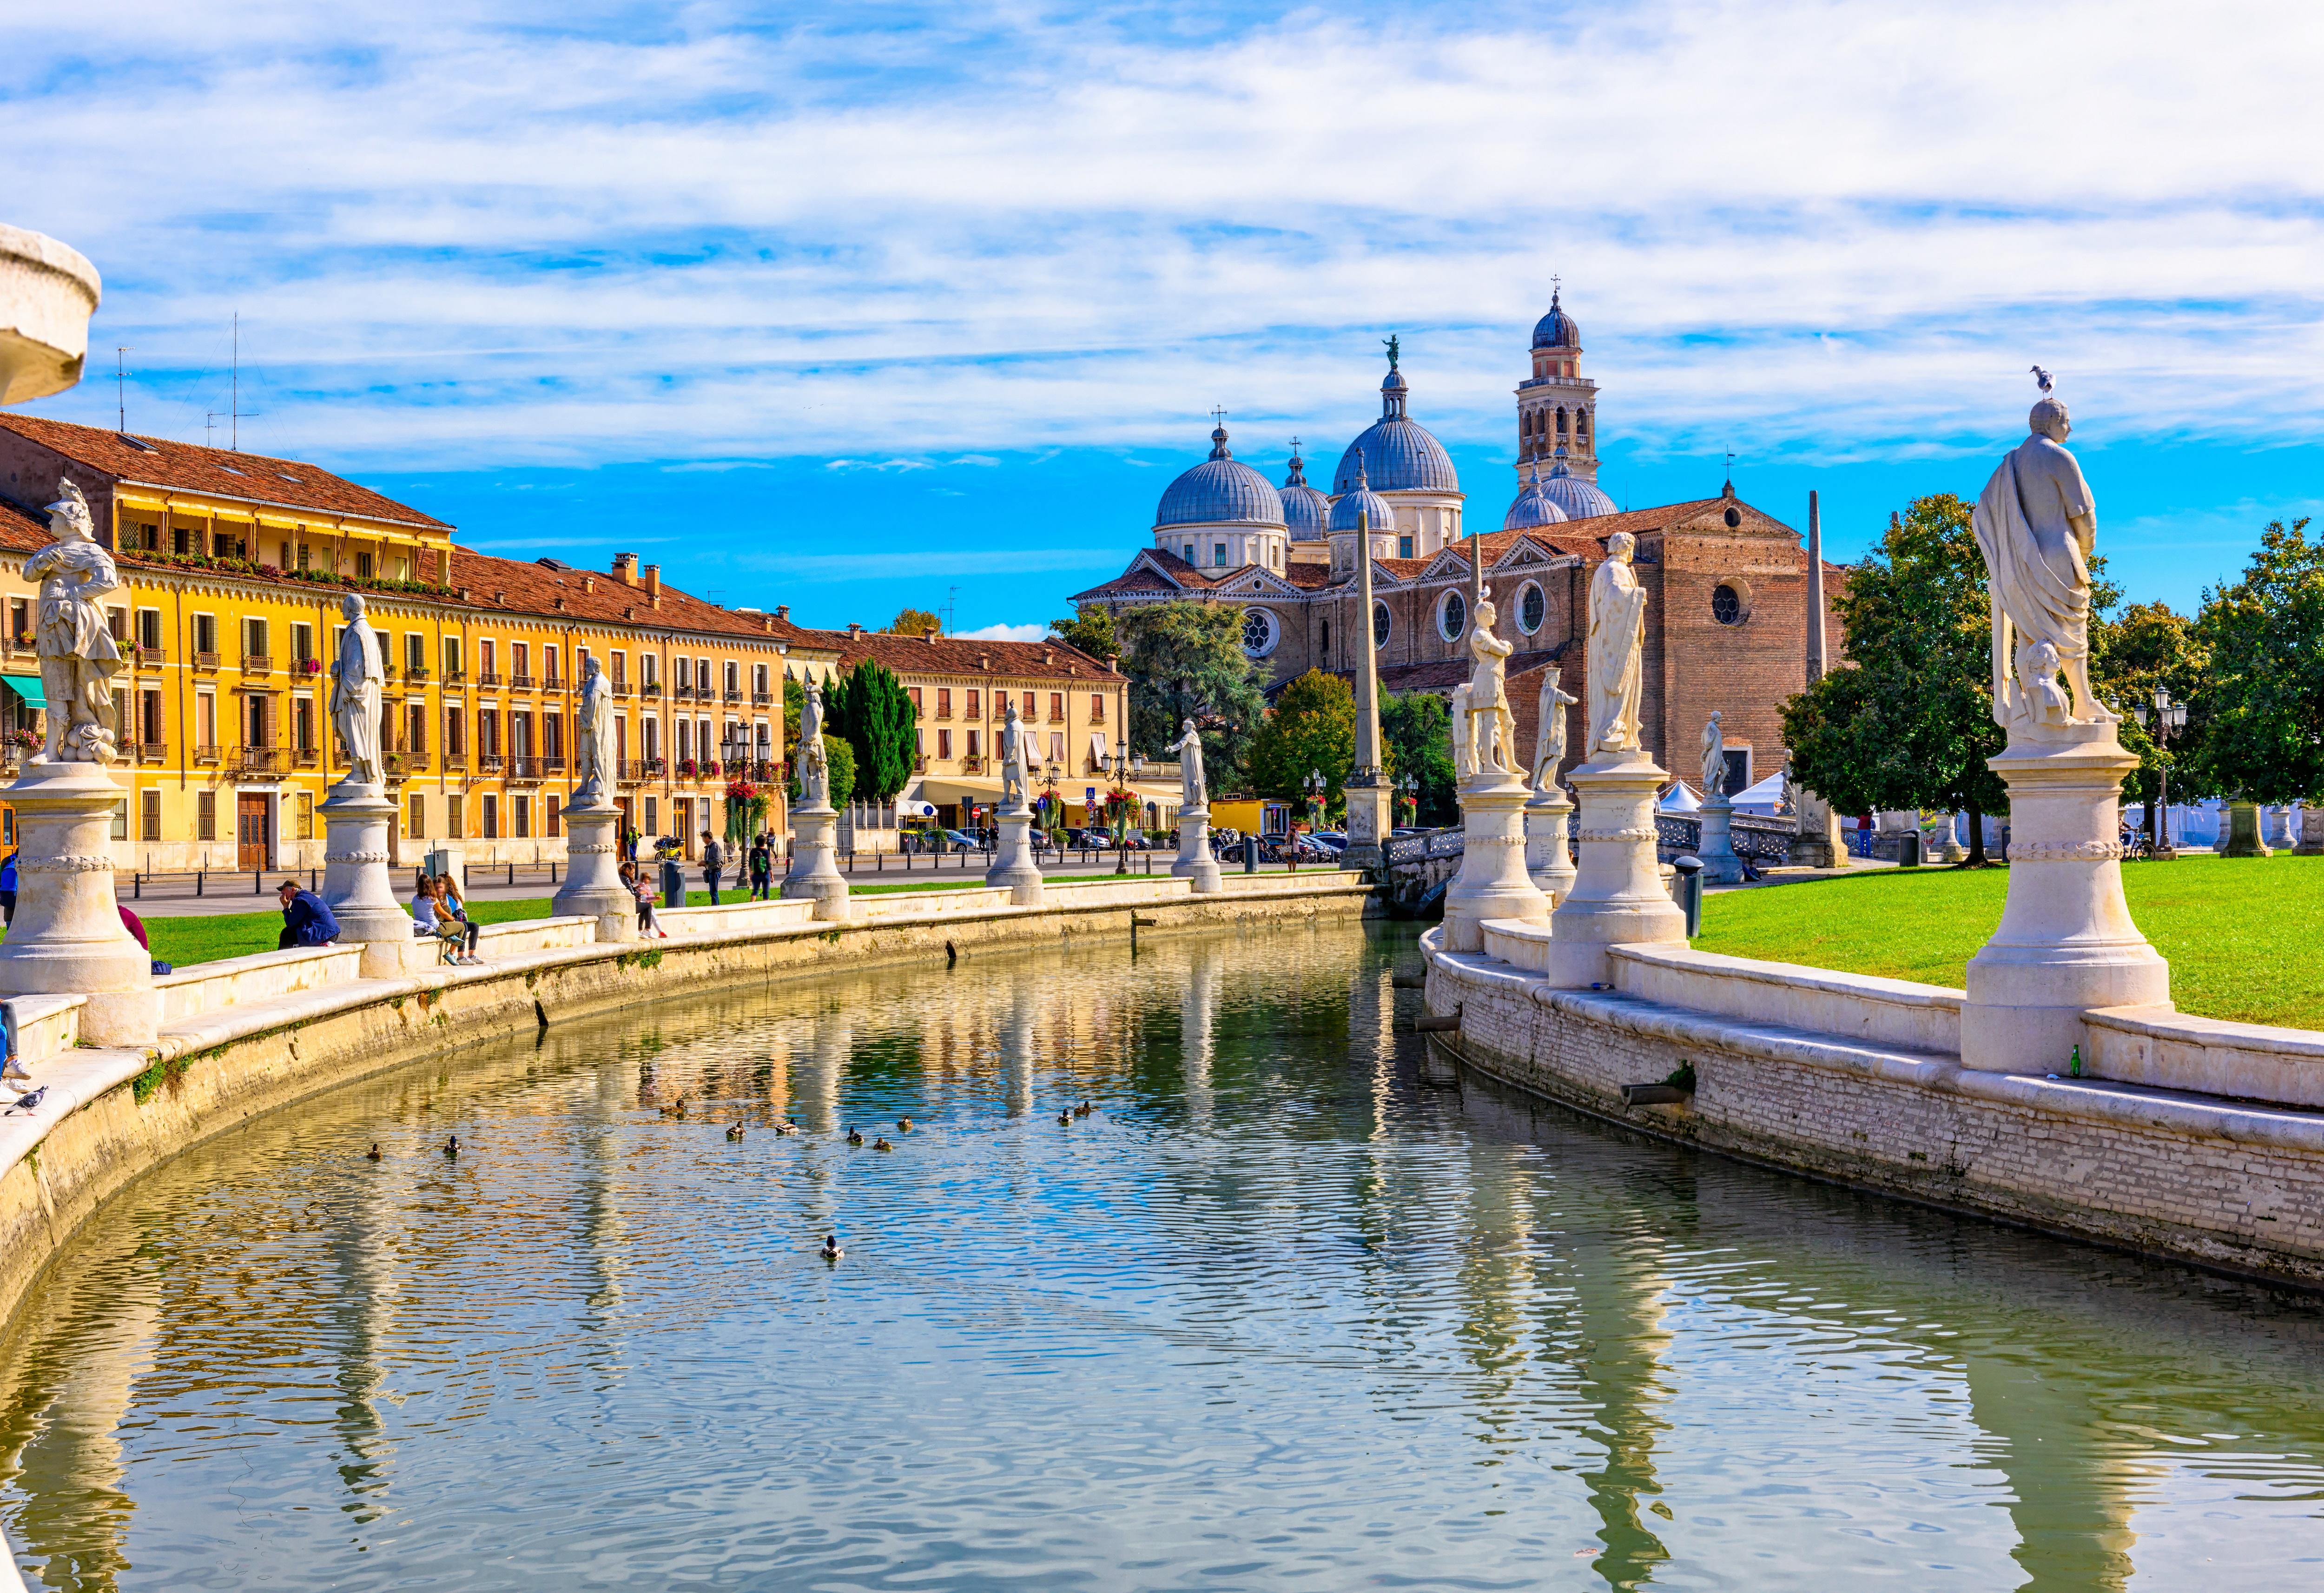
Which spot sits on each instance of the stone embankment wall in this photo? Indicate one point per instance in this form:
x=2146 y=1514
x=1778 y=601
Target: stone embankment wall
x=244 y=1036
x=2193 y=1142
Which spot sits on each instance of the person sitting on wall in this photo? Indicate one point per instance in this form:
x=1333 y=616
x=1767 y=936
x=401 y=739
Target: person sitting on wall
x=452 y=918
x=641 y=887
x=307 y=919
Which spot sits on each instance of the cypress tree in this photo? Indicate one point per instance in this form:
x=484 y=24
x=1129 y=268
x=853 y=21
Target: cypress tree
x=871 y=711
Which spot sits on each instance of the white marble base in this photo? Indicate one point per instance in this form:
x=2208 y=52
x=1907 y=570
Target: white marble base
x=356 y=882
x=2066 y=943
x=2312 y=833
x=1716 y=849
x=593 y=880
x=1194 y=861
x=1013 y=865
x=1619 y=896
x=67 y=938
x=1549 y=859
x=1492 y=882
x=815 y=864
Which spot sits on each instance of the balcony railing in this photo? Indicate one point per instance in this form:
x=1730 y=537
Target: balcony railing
x=310 y=667
x=621 y=688
x=268 y=763
x=417 y=677
x=532 y=771
x=488 y=762
x=651 y=689
x=258 y=663
x=973 y=764
x=552 y=683
x=642 y=768
x=521 y=683
x=760 y=699
x=151 y=657
x=305 y=758
x=152 y=752
x=488 y=678
x=206 y=660
x=456 y=678
x=733 y=696
x=206 y=754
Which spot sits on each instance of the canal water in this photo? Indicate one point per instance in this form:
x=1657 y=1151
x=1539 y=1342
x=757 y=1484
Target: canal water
x=1277 y=1312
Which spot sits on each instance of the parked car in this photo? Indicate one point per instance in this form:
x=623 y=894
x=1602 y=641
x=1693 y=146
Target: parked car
x=962 y=842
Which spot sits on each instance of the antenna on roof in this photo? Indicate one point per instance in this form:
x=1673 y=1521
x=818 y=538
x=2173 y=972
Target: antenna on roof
x=1731 y=471
x=121 y=385
x=234 y=402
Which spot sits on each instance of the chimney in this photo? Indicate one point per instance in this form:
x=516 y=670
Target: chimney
x=984 y=662
x=932 y=636
x=625 y=568
x=854 y=632
x=653 y=581
x=768 y=626
x=588 y=583
x=1112 y=663
x=1047 y=656
x=783 y=612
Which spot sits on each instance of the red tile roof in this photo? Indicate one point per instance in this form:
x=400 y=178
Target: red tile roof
x=254 y=478
x=963 y=656
x=21 y=530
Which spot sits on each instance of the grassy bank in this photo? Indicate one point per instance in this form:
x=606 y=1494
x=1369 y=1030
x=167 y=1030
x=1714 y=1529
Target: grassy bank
x=2240 y=933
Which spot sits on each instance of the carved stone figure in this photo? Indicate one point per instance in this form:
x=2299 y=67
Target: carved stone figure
x=2036 y=524
x=1493 y=738
x=357 y=683
x=1463 y=763
x=1193 y=789
x=815 y=770
x=78 y=658
x=593 y=737
x=1617 y=637
x=1549 y=735
x=1714 y=760
x=1012 y=760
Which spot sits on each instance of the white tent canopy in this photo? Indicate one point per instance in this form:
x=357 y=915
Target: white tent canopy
x=1680 y=798
x=1766 y=798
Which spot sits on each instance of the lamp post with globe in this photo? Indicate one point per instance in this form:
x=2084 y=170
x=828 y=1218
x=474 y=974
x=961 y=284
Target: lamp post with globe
x=2168 y=720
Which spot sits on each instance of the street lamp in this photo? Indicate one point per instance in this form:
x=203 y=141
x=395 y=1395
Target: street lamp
x=2170 y=719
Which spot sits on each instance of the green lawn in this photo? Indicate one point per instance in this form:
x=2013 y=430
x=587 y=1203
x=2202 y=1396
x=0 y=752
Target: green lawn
x=2241 y=934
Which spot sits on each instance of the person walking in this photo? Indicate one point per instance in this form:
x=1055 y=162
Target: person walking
x=714 y=863
x=762 y=867
x=630 y=836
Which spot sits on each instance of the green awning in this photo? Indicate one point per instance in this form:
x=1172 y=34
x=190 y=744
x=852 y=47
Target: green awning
x=27 y=686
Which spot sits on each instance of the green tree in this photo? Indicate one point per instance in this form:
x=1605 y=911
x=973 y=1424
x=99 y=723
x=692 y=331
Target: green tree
x=1091 y=631
x=1911 y=725
x=1417 y=731
x=1185 y=661
x=839 y=759
x=912 y=621
x=2257 y=712
x=1311 y=728
x=871 y=711
x=2149 y=646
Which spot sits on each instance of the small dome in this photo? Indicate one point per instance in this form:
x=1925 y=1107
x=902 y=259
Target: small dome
x=1378 y=513
x=1304 y=510
x=1556 y=330
x=1534 y=507
x=1219 y=491
x=1578 y=498
x=1396 y=453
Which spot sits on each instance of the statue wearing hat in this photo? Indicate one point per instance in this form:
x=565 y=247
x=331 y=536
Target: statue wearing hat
x=79 y=656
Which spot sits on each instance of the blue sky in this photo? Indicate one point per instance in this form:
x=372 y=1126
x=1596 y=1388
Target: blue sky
x=919 y=305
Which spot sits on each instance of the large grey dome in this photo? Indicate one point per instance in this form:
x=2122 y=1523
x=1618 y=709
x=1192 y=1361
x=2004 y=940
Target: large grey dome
x=1218 y=491
x=1304 y=510
x=1556 y=330
x=1376 y=513
x=1534 y=507
x=1396 y=452
x=1578 y=498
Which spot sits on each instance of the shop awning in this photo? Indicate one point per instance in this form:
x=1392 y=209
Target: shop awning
x=962 y=788
x=27 y=686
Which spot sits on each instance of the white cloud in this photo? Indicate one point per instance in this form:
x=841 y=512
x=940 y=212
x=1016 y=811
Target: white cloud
x=1004 y=633
x=456 y=237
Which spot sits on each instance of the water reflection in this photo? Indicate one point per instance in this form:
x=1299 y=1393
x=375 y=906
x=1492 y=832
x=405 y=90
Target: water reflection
x=1277 y=1312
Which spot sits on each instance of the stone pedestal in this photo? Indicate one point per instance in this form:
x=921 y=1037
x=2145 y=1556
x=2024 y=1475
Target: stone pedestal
x=2312 y=833
x=593 y=879
x=356 y=822
x=2066 y=943
x=2243 y=836
x=1492 y=882
x=1548 y=860
x=67 y=938
x=1194 y=861
x=2277 y=832
x=1818 y=844
x=1618 y=898
x=1721 y=866
x=1013 y=865
x=815 y=863
x=1370 y=809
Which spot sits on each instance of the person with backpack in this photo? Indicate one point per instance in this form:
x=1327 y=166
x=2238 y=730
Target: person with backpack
x=762 y=867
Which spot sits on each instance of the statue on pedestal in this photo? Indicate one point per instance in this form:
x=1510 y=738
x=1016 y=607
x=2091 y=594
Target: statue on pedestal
x=1714 y=760
x=1012 y=761
x=815 y=770
x=2036 y=524
x=1617 y=638
x=79 y=656
x=357 y=683
x=1193 y=790
x=1549 y=732
x=1493 y=733
x=593 y=737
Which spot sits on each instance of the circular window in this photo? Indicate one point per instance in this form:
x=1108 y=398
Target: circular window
x=1260 y=632
x=1453 y=616
x=1533 y=608
x=1380 y=624
x=1727 y=605
x=1734 y=516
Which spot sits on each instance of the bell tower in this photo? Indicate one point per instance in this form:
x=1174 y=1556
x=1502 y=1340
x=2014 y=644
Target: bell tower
x=1557 y=406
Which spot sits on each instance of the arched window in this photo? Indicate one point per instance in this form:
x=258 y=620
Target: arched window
x=1532 y=608
x=1327 y=644
x=1560 y=423
x=1582 y=423
x=1451 y=616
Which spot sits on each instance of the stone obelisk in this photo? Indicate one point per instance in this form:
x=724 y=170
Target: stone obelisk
x=1371 y=793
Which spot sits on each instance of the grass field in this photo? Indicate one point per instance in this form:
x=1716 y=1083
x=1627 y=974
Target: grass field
x=2242 y=933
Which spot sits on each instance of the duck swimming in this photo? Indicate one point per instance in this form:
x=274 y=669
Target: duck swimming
x=831 y=1248
x=1082 y=1111
x=452 y=1145
x=675 y=1109
x=735 y=1129
x=786 y=1127
x=903 y=1125
x=372 y=1155
x=1064 y=1119
x=881 y=1144
x=855 y=1136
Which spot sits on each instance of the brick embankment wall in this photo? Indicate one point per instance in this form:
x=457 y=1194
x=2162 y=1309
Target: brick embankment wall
x=113 y=1116
x=2232 y=1185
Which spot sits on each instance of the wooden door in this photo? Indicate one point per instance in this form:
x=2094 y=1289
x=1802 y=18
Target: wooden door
x=254 y=844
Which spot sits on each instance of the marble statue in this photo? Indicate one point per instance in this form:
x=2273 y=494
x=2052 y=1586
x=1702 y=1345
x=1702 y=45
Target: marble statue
x=593 y=737
x=1493 y=738
x=1012 y=761
x=1618 y=639
x=79 y=656
x=815 y=770
x=1464 y=763
x=1789 y=802
x=1194 y=790
x=1714 y=760
x=1549 y=733
x=2036 y=525
x=356 y=682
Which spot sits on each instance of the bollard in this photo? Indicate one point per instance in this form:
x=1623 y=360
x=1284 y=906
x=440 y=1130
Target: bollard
x=256 y=887
x=673 y=883
x=137 y=888
x=1686 y=889
x=512 y=877
x=197 y=882
x=1250 y=854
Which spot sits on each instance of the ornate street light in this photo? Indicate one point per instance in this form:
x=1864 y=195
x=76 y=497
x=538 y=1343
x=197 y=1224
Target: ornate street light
x=2168 y=719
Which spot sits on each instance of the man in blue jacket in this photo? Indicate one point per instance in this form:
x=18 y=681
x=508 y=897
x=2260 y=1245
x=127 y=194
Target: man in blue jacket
x=307 y=919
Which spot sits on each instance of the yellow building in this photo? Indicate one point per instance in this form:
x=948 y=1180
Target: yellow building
x=234 y=566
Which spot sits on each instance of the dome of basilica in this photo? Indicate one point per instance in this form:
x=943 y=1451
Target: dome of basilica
x=1219 y=491
x=1578 y=498
x=1556 y=330
x=1377 y=513
x=1396 y=454
x=1304 y=510
x=1534 y=507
